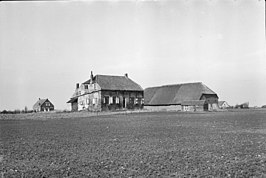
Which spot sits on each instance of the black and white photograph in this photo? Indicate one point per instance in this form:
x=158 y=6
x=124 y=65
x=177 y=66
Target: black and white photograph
x=133 y=88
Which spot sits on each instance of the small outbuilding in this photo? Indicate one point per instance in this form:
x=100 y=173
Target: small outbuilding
x=43 y=105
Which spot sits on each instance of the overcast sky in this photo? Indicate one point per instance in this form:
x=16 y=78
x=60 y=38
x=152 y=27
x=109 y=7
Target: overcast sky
x=47 y=47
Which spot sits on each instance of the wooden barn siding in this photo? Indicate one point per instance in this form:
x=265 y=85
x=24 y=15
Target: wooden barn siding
x=193 y=108
x=211 y=101
x=163 y=108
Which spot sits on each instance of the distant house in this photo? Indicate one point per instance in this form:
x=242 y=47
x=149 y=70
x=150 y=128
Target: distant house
x=185 y=97
x=242 y=106
x=105 y=92
x=223 y=105
x=43 y=105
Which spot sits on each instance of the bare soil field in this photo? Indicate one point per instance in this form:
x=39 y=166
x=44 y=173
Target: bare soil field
x=158 y=144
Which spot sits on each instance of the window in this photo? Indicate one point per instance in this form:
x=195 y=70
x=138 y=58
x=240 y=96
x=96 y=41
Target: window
x=106 y=99
x=136 y=101
x=117 y=100
x=87 y=101
x=142 y=101
x=47 y=104
x=131 y=100
x=110 y=100
x=94 y=101
x=86 y=86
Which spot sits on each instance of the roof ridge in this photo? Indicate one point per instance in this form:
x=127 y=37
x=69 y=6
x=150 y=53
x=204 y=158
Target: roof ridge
x=169 y=85
x=110 y=75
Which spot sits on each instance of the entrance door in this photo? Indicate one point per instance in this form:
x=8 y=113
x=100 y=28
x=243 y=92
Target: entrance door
x=124 y=102
x=205 y=107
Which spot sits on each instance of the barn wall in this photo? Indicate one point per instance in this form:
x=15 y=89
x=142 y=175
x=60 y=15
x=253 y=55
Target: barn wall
x=163 y=108
x=193 y=108
x=211 y=101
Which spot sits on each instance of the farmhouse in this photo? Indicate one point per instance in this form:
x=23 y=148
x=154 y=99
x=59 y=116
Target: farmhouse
x=105 y=92
x=185 y=97
x=43 y=105
x=223 y=105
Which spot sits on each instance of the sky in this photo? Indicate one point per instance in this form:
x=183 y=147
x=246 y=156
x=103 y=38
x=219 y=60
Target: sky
x=48 y=47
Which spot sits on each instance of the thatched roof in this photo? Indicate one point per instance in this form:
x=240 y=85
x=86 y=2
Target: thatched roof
x=122 y=83
x=175 y=94
x=193 y=103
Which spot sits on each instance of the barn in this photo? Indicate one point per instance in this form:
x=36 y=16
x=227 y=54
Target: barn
x=106 y=92
x=181 y=97
x=43 y=105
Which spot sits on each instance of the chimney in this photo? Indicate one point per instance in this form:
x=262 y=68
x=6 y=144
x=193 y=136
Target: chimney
x=77 y=85
x=91 y=77
x=126 y=75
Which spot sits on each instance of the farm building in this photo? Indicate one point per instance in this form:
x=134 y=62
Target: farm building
x=185 y=97
x=105 y=92
x=43 y=105
x=242 y=106
x=223 y=105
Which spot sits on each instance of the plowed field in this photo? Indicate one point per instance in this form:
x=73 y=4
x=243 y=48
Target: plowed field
x=159 y=144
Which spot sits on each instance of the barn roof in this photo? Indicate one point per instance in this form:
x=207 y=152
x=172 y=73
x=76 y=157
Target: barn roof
x=193 y=103
x=39 y=102
x=108 y=82
x=175 y=94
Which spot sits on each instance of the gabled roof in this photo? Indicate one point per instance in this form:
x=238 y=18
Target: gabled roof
x=220 y=103
x=175 y=94
x=108 y=82
x=39 y=102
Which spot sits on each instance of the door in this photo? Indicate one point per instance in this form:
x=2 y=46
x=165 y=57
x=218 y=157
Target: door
x=205 y=107
x=124 y=102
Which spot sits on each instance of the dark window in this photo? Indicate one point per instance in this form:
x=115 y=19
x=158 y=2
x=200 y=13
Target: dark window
x=86 y=86
x=114 y=99
x=106 y=99
x=131 y=100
